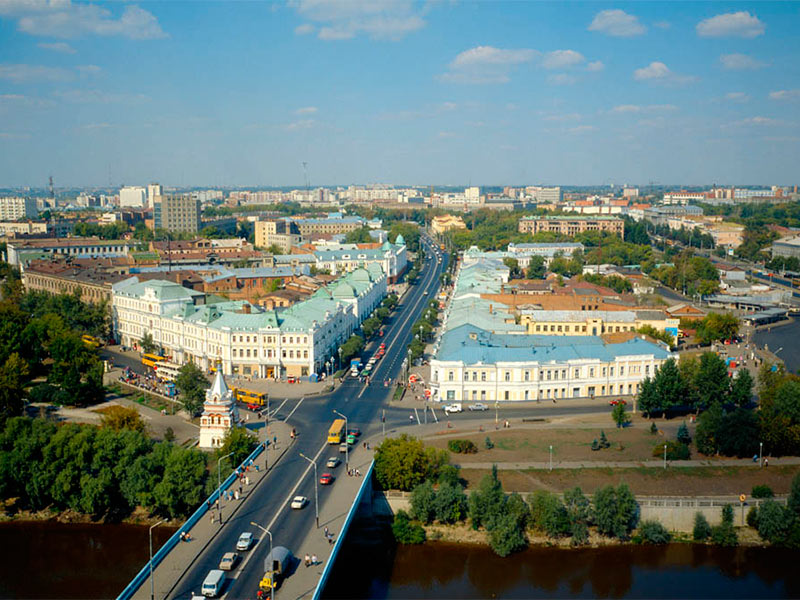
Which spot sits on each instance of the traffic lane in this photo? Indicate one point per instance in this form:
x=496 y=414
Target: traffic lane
x=670 y=294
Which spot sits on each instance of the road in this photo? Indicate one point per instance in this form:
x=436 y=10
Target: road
x=362 y=404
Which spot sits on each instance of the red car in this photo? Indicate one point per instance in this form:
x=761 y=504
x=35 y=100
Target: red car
x=355 y=432
x=617 y=401
x=326 y=479
x=253 y=407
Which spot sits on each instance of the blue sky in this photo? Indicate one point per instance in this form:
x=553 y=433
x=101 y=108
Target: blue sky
x=482 y=93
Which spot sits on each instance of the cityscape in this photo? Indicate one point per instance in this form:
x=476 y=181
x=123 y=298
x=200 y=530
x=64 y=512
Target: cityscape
x=349 y=299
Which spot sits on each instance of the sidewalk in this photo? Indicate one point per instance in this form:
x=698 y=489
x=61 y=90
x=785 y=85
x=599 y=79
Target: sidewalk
x=178 y=561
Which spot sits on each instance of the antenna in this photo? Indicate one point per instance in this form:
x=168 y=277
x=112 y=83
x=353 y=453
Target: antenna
x=52 y=192
x=305 y=174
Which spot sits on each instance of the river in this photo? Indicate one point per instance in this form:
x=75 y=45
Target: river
x=783 y=338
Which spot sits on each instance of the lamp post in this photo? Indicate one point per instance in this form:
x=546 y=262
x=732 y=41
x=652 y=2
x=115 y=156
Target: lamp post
x=346 y=445
x=266 y=438
x=340 y=358
x=219 y=485
x=316 y=494
x=551 y=457
x=665 y=456
x=254 y=524
x=760 y=454
x=152 y=581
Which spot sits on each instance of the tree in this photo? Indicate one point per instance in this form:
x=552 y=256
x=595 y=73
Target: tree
x=548 y=513
x=716 y=326
x=450 y=503
x=578 y=512
x=683 y=436
x=742 y=388
x=405 y=531
x=666 y=389
x=118 y=418
x=724 y=534
x=620 y=416
x=506 y=536
x=536 y=268
x=774 y=522
x=192 y=385
x=352 y=348
x=239 y=441
x=653 y=532
x=738 y=434
x=616 y=511
x=701 y=530
x=359 y=236
x=712 y=379
x=793 y=502
x=487 y=502
x=147 y=343
x=403 y=463
x=423 y=502
x=12 y=390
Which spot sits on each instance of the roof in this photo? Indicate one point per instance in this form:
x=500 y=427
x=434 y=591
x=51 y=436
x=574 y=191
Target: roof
x=163 y=290
x=582 y=315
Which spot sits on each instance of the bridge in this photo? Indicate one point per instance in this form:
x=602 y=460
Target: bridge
x=279 y=473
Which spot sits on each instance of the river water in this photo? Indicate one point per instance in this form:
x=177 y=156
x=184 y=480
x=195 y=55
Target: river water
x=786 y=340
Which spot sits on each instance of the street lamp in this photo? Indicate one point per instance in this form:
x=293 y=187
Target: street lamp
x=219 y=485
x=760 y=454
x=340 y=358
x=254 y=524
x=665 y=456
x=316 y=494
x=346 y=445
x=152 y=581
x=551 y=457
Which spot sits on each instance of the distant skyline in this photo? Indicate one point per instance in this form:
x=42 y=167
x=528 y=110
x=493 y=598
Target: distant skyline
x=447 y=93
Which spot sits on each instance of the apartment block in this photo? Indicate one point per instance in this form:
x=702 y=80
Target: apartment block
x=571 y=225
x=177 y=212
x=16 y=208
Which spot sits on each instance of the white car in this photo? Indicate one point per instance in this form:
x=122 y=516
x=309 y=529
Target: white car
x=299 y=502
x=452 y=408
x=478 y=406
x=333 y=462
x=229 y=560
x=245 y=541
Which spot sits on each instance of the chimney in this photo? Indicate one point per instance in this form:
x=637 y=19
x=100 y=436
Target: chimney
x=491 y=311
x=246 y=309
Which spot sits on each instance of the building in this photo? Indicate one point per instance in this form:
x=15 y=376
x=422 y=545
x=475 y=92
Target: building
x=219 y=414
x=132 y=197
x=728 y=235
x=241 y=338
x=446 y=223
x=23 y=250
x=788 y=246
x=544 y=195
x=591 y=322
x=16 y=208
x=392 y=258
x=571 y=225
x=333 y=224
x=154 y=191
x=62 y=276
x=684 y=197
x=547 y=250
x=13 y=229
x=178 y=213
x=282 y=233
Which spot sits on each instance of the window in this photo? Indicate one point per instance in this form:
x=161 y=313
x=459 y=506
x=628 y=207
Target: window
x=483 y=394
x=611 y=371
x=621 y=371
x=527 y=393
x=474 y=395
x=483 y=375
x=604 y=371
x=591 y=371
x=466 y=375
x=451 y=394
x=647 y=370
x=527 y=375
x=474 y=376
x=506 y=395
x=549 y=373
x=508 y=376
x=450 y=376
x=577 y=373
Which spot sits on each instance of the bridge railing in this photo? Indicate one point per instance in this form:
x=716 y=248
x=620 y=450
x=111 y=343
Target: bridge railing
x=173 y=541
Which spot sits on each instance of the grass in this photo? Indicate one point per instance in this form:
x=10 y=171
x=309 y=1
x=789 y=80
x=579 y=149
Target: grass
x=398 y=393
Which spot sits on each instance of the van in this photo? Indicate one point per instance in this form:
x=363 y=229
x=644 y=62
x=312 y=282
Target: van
x=212 y=586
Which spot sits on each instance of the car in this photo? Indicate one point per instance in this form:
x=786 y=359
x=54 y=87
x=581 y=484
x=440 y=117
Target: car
x=299 y=502
x=478 y=406
x=453 y=408
x=229 y=560
x=292 y=379
x=354 y=431
x=351 y=439
x=253 y=407
x=245 y=541
x=617 y=401
x=333 y=462
x=343 y=447
x=326 y=479
x=425 y=293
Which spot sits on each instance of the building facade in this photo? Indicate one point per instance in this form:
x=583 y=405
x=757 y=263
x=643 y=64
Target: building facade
x=16 y=208
x=391 y=258
x=132 y=197
x=571 y=225
x=178 y=213
x=219 y=414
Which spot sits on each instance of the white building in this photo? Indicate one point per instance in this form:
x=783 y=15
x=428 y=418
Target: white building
x=132 y=197
x=16 y=208
x=219 y=414
x=544 y=195
x=154 y=190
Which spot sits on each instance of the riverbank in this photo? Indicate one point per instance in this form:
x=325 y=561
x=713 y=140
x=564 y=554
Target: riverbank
x=139 y=516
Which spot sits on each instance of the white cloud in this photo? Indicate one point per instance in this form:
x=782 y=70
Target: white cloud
x=18 y=100
x=447 y=106
x=738 y=24
x=739 y=62
x=444 y=135
x=306 y=110
x=345 y=19
x=595 y=66
x=22 y=73
x=88 y=69
x=617 y=23
x=62 y=47
x=565 y=117
x=304 y=29
x=562 y=59
x=785 y=95
x=561 y=79
x=84 y=96
x=94 y=126
x=648 y=108
x=5 y=135
x=486 y=64
x=581 y=129
x=662 y=24
x=658 y=72
x=300 y=125
x=737 y=97
x=756 y=122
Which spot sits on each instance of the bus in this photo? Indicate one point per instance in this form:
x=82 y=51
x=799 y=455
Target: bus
x=91 y=342
x=336 y=432
x=250 y=396
x=166 y=371
x=150 y=360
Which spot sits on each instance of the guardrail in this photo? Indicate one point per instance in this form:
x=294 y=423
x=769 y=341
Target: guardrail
x=173 y=541
x=353 y=510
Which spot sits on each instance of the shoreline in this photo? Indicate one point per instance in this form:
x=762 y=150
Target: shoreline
x=138 y=517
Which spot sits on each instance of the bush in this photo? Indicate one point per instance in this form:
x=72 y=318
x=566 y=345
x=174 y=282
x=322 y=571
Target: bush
x=725 y=534
x=653 y=428
x=506 y=536
x=752 y=517
x=653 y=532
x=462 y=446
x=762 y=491
x=615 y=511
x=604 y=443
x=595 y=444
x=675 y=450
x=423 y=502
x=488 y=443
x=450 y=503
x=406 y=531
x=701 y=530
x=683 y=436
x=774 y=522
x=548 y=514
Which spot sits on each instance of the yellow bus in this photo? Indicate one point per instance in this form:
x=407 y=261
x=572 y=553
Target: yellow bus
x=150 y=360
x=336 y=432
x=250 y=396
x=91 y=342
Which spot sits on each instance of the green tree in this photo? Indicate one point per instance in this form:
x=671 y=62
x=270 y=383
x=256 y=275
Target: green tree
x=12 y=386
x=359 y=236
x=487 y=502
x=506 y=536
x=192 y=385
x=724 y=534
x=182 y=486
x=665 y=390
x=536 y=268
x=147 y=343
x=774 y=522
x=450 y=504
x=701 y=530
x=615 y=511
x=620 y=415
x=352 y=348
x=405 y=531
x=708 y=424
x=738 y=434
x=239 y=441
x=513 y=267
x=793 y=502
x=403 y=463
x=653 y=532
x=712 y=379
x=118 y=418
x=578 y=511
x=423 y=503
x=683 y=436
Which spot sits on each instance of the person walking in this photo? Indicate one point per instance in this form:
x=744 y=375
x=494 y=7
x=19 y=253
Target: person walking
x=314 y=559
x=307 y=560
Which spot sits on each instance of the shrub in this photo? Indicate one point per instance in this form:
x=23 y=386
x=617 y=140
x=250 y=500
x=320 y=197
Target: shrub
x=653 y=428
x=762 y=491
x=595 y=444
x=462 y=446
x=653 y=532
x=169 y=435
x=701 y=530
x=615 y=511
x=506 y=536
x=423 y=502
x=683 y=436
x=548 y=514
x=752 y=517
x=406 y=531
x=725 y=534
x=774 y=522
x=675 y=450
x=604 y=443
x=450 y=503
x=488 y=443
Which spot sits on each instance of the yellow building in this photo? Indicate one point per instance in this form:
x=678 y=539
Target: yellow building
x=446 y=223
x=593 y=322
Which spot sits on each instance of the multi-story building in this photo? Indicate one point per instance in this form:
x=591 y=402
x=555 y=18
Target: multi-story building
x=14 y=208
x=15 y=228
x=154 y=191
x=63 y=277
x=593 y=322
x=390 y=257
x=333 y=225
x=788 y=246
x=241 y=338
x=132 y=197
x=177 y=212
x=21 y=251
x=544 y=195
x=282 y=233
x=571 y=225
x=446 y=223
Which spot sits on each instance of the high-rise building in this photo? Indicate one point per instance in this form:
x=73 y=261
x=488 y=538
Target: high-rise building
x=15 y=208
x=154 y=190
x=177 y=212
x=132 y=197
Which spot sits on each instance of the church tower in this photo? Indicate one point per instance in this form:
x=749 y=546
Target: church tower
x=219 y=414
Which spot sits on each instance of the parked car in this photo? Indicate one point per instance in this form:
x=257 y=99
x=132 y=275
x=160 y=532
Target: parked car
x=299 y=502
x=253 y=407
x=478 y=406
x=617 y=401
x=245 y=541
x=326 y=479
x=229 y=560
x=333 y=462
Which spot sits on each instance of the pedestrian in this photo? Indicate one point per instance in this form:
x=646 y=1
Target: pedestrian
x=212 y=518
x=236 y=495
x=330 y=539
x=240 y=489
x=766 y=462
x=326 y=531
x=313 y=559
x=307 y=559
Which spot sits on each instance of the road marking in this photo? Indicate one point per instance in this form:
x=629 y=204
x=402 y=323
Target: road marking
x=416 y=414
x=294 y=409
x=275 y=412
x=277 y=514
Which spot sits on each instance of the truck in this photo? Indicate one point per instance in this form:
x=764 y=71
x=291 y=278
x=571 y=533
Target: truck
x=276 y=565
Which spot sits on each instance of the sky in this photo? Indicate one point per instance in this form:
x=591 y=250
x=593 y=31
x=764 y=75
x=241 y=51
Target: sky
x=398 y=92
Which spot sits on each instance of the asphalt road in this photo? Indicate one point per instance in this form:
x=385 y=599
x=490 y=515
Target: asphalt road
x=362 y=404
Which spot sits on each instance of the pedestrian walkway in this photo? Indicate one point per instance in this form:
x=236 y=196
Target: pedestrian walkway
x=632 y=464
x=168 y=573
